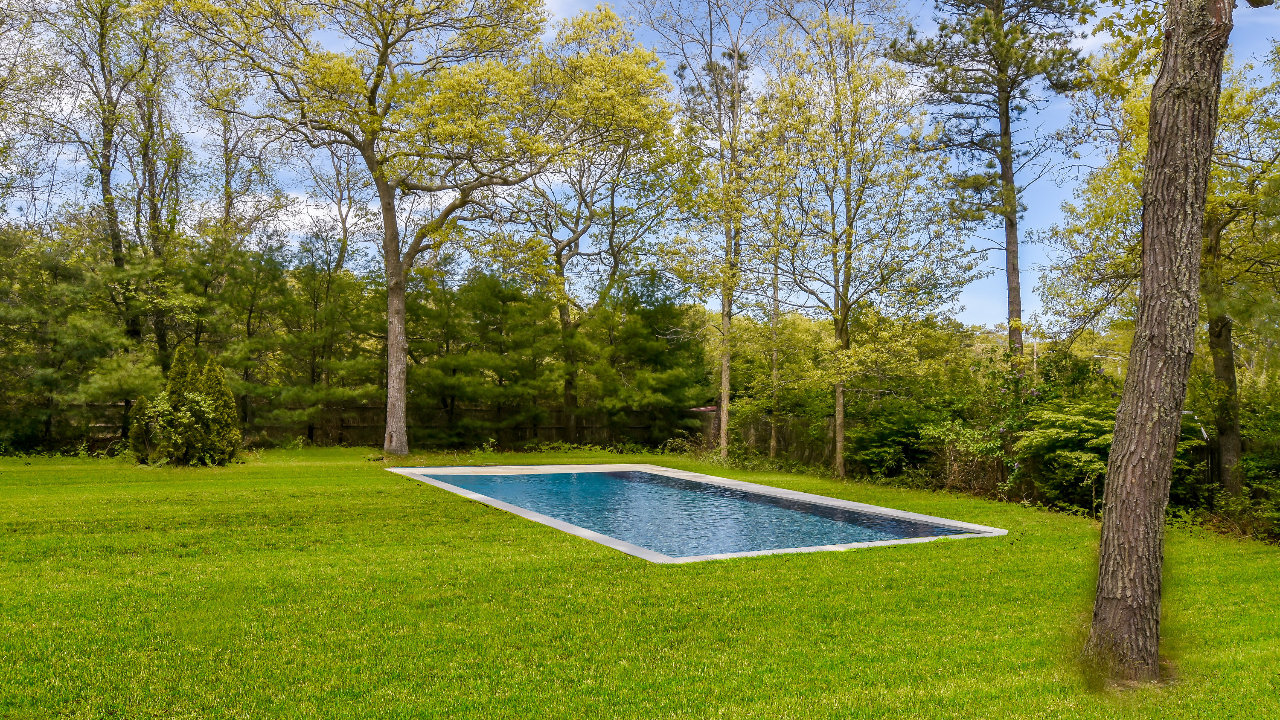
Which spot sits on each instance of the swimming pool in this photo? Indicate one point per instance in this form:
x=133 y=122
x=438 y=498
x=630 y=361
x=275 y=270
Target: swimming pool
x=674 y=516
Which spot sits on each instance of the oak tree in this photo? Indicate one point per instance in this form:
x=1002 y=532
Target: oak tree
x=428 y=95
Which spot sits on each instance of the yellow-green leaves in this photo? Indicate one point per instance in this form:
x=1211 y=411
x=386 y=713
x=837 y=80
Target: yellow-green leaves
x=863 y=227
x=1098 y=242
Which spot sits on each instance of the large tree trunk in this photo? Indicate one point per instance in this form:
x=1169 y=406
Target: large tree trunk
x=396 y=439
x=1124 y=638
x=1227 y=440
x=1009 y=210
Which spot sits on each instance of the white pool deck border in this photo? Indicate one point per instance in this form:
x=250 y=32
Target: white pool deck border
x=433 y=475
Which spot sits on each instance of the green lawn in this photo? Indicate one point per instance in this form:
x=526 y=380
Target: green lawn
x=313 y=583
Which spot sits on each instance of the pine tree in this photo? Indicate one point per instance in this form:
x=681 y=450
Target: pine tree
x=1125 y=634
x=180 y=371
x=984 y=68
x=177 y=422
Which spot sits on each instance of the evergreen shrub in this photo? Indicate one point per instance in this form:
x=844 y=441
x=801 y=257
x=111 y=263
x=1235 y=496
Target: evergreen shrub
x=191 y=422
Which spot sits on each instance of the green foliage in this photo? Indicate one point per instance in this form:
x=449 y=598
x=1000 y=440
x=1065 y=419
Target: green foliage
x=483 y=366
x=649 y=362
x=191 y=422
x=1064 y=451
x=224 y=437
x=490 y=363
x=139 y=432
x=808 y=189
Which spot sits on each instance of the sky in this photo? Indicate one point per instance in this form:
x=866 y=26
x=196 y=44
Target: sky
x=984 y=302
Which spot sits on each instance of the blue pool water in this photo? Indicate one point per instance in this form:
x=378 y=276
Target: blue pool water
x=684 y=518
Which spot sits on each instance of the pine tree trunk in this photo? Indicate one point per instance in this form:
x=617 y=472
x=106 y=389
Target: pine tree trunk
x=1124 y=639
x=1009 y=203
x=160 y=326
x=1227 y=410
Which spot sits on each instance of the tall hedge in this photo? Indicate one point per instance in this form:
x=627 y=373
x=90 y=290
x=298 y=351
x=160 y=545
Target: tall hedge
x=191 y=422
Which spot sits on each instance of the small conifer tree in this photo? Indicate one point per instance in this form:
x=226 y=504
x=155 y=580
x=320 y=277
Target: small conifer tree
x=224 y=428
x=192 y=422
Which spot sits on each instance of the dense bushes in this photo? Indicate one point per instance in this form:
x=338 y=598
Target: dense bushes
x=942 y=406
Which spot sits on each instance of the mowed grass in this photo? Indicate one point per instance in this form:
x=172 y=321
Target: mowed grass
x=315 y=584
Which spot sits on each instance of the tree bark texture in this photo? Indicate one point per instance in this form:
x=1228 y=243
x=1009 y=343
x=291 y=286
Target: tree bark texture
x=1124 y=638
x=396 y=440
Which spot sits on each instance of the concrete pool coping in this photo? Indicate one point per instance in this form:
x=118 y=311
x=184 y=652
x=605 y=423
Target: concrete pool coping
x=429 y=475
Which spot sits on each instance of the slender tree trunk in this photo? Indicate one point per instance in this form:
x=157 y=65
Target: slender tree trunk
x=396 y=439
x=115 y=235
x=773 y=366
x=846 y=343
x=154 y=189
x=1227 y=436
x=1124 y=639
x=726 y=318
x=161 y=328
x=1009 y=202
x=124 y=423
x=570 y=375
x=1227 y=411
x=837 y=462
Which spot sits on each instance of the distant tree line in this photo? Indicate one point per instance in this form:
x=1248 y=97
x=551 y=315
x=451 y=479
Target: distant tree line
x=299 y=339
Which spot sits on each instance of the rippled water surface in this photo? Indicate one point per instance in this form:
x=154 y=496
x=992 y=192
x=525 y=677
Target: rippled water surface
x=684 y=518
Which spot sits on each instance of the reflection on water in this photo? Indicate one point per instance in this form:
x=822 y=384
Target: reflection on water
x=684 y=518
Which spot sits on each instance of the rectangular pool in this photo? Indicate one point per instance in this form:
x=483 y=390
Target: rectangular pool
x=673 y=516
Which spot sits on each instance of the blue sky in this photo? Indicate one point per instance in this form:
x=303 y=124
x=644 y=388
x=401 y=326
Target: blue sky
x=984 y=302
